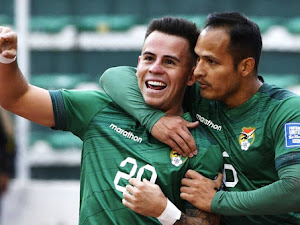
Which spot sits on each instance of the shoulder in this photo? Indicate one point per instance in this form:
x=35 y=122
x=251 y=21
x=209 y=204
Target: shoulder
x=118 y=70
x=86 y=96
x=277 y=93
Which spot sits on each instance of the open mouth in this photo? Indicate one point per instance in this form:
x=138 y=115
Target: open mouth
x=156 y=85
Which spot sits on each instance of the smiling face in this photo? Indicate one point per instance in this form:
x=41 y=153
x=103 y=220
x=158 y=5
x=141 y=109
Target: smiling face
x=164 y=70
x=215 y=71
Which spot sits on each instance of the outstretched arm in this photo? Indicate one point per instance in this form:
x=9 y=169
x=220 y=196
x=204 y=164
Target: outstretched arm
x=16 y=95
x=147 y=199
x=277 y=198
x=120 y=83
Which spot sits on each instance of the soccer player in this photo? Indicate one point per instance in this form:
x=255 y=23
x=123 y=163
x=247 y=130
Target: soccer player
x=116 y=147
x=257 y=124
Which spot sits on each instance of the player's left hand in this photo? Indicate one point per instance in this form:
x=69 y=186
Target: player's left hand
x=144 y=198
x=199 y=190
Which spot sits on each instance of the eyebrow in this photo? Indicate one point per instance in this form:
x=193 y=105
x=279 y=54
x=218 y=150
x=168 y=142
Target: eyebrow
x=209 y=57
x=166 y=56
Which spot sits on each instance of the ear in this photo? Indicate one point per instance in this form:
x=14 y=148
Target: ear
x=192 y=79
x=246 y=66
x=139 y=59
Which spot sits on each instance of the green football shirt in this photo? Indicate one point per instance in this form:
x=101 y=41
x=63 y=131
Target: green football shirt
x=115 y=148
x=261 y=139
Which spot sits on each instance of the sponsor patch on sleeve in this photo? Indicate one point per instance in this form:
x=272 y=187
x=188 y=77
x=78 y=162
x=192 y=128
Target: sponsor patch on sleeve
x=292 y=135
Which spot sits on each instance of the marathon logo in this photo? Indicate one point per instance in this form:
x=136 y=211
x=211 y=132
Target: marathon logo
x=292 y=135
x=208 y=122
x=127 y=134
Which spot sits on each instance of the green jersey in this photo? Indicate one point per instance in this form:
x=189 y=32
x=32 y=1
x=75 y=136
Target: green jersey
x=115 y=148
x=261 y=139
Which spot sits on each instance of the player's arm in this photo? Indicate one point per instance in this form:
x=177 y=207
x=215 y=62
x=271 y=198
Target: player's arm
x=16 y=94
x=147 y=199
x=277 y=198
x=120 y=83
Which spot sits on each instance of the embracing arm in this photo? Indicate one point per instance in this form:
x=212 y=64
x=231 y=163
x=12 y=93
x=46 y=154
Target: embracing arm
x=16 y=95
x=120 y=83
x=277 y=198
x=147 y=199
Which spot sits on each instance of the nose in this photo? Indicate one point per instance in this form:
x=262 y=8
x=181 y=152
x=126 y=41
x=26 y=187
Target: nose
x=156 y=68
x=199 y=69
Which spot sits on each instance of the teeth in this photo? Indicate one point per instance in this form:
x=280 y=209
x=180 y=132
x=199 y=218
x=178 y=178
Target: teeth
x=156 y=83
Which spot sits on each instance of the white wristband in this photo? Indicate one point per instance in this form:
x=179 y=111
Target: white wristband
x=5 y=60
x=170 y=215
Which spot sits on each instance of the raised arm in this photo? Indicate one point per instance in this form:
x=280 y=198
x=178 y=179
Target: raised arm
x=147 y=199
x=120 y=83
x=16 y=95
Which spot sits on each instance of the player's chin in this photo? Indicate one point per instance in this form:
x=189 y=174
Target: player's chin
x=205 y=93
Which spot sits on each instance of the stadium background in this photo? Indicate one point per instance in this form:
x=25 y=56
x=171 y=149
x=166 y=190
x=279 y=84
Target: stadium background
x=69 y=44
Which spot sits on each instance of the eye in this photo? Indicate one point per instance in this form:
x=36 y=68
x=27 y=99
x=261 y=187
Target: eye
x=210 y=61
x=148 y=58
x=170 y=62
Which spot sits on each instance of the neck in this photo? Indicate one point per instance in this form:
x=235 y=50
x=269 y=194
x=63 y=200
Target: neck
x=247 y=90
x=178 y=112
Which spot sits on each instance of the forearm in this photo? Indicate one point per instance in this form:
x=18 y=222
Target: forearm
x=277 y=198
x=13 y=85
x=120 y=83
x=23 y=99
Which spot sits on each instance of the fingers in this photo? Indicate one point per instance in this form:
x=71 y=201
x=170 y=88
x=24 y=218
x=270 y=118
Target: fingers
x=185 y=196
x=172 y=143
x=8 y=42
x=189 y=182
x=173 y=131
x=189 y=140
x=128 y=195
x=218 y=181
x=183 y=141
x=180 y=142
x=134 y=181
x=192 y=174
x=191 y=125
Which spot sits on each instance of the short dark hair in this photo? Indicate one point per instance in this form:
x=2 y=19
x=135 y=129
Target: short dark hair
x=176 y=26
x=245 y=36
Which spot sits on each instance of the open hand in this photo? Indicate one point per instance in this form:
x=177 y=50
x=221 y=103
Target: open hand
x=174 y=131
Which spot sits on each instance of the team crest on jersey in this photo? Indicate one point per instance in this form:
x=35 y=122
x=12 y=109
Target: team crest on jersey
x=177 y=159
x=247 y=137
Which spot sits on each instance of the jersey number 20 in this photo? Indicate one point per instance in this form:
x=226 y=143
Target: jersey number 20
x=133 y=171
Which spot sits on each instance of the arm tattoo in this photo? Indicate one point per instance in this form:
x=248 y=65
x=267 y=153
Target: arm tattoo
x=197 y=217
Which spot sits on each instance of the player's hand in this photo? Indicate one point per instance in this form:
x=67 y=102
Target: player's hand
x=174 y=131
x=144 y=198
x=199 y=190
x=8 y=42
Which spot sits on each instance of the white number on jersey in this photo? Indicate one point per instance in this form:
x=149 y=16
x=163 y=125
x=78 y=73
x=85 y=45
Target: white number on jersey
x=233 y=171
x=132 y=172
